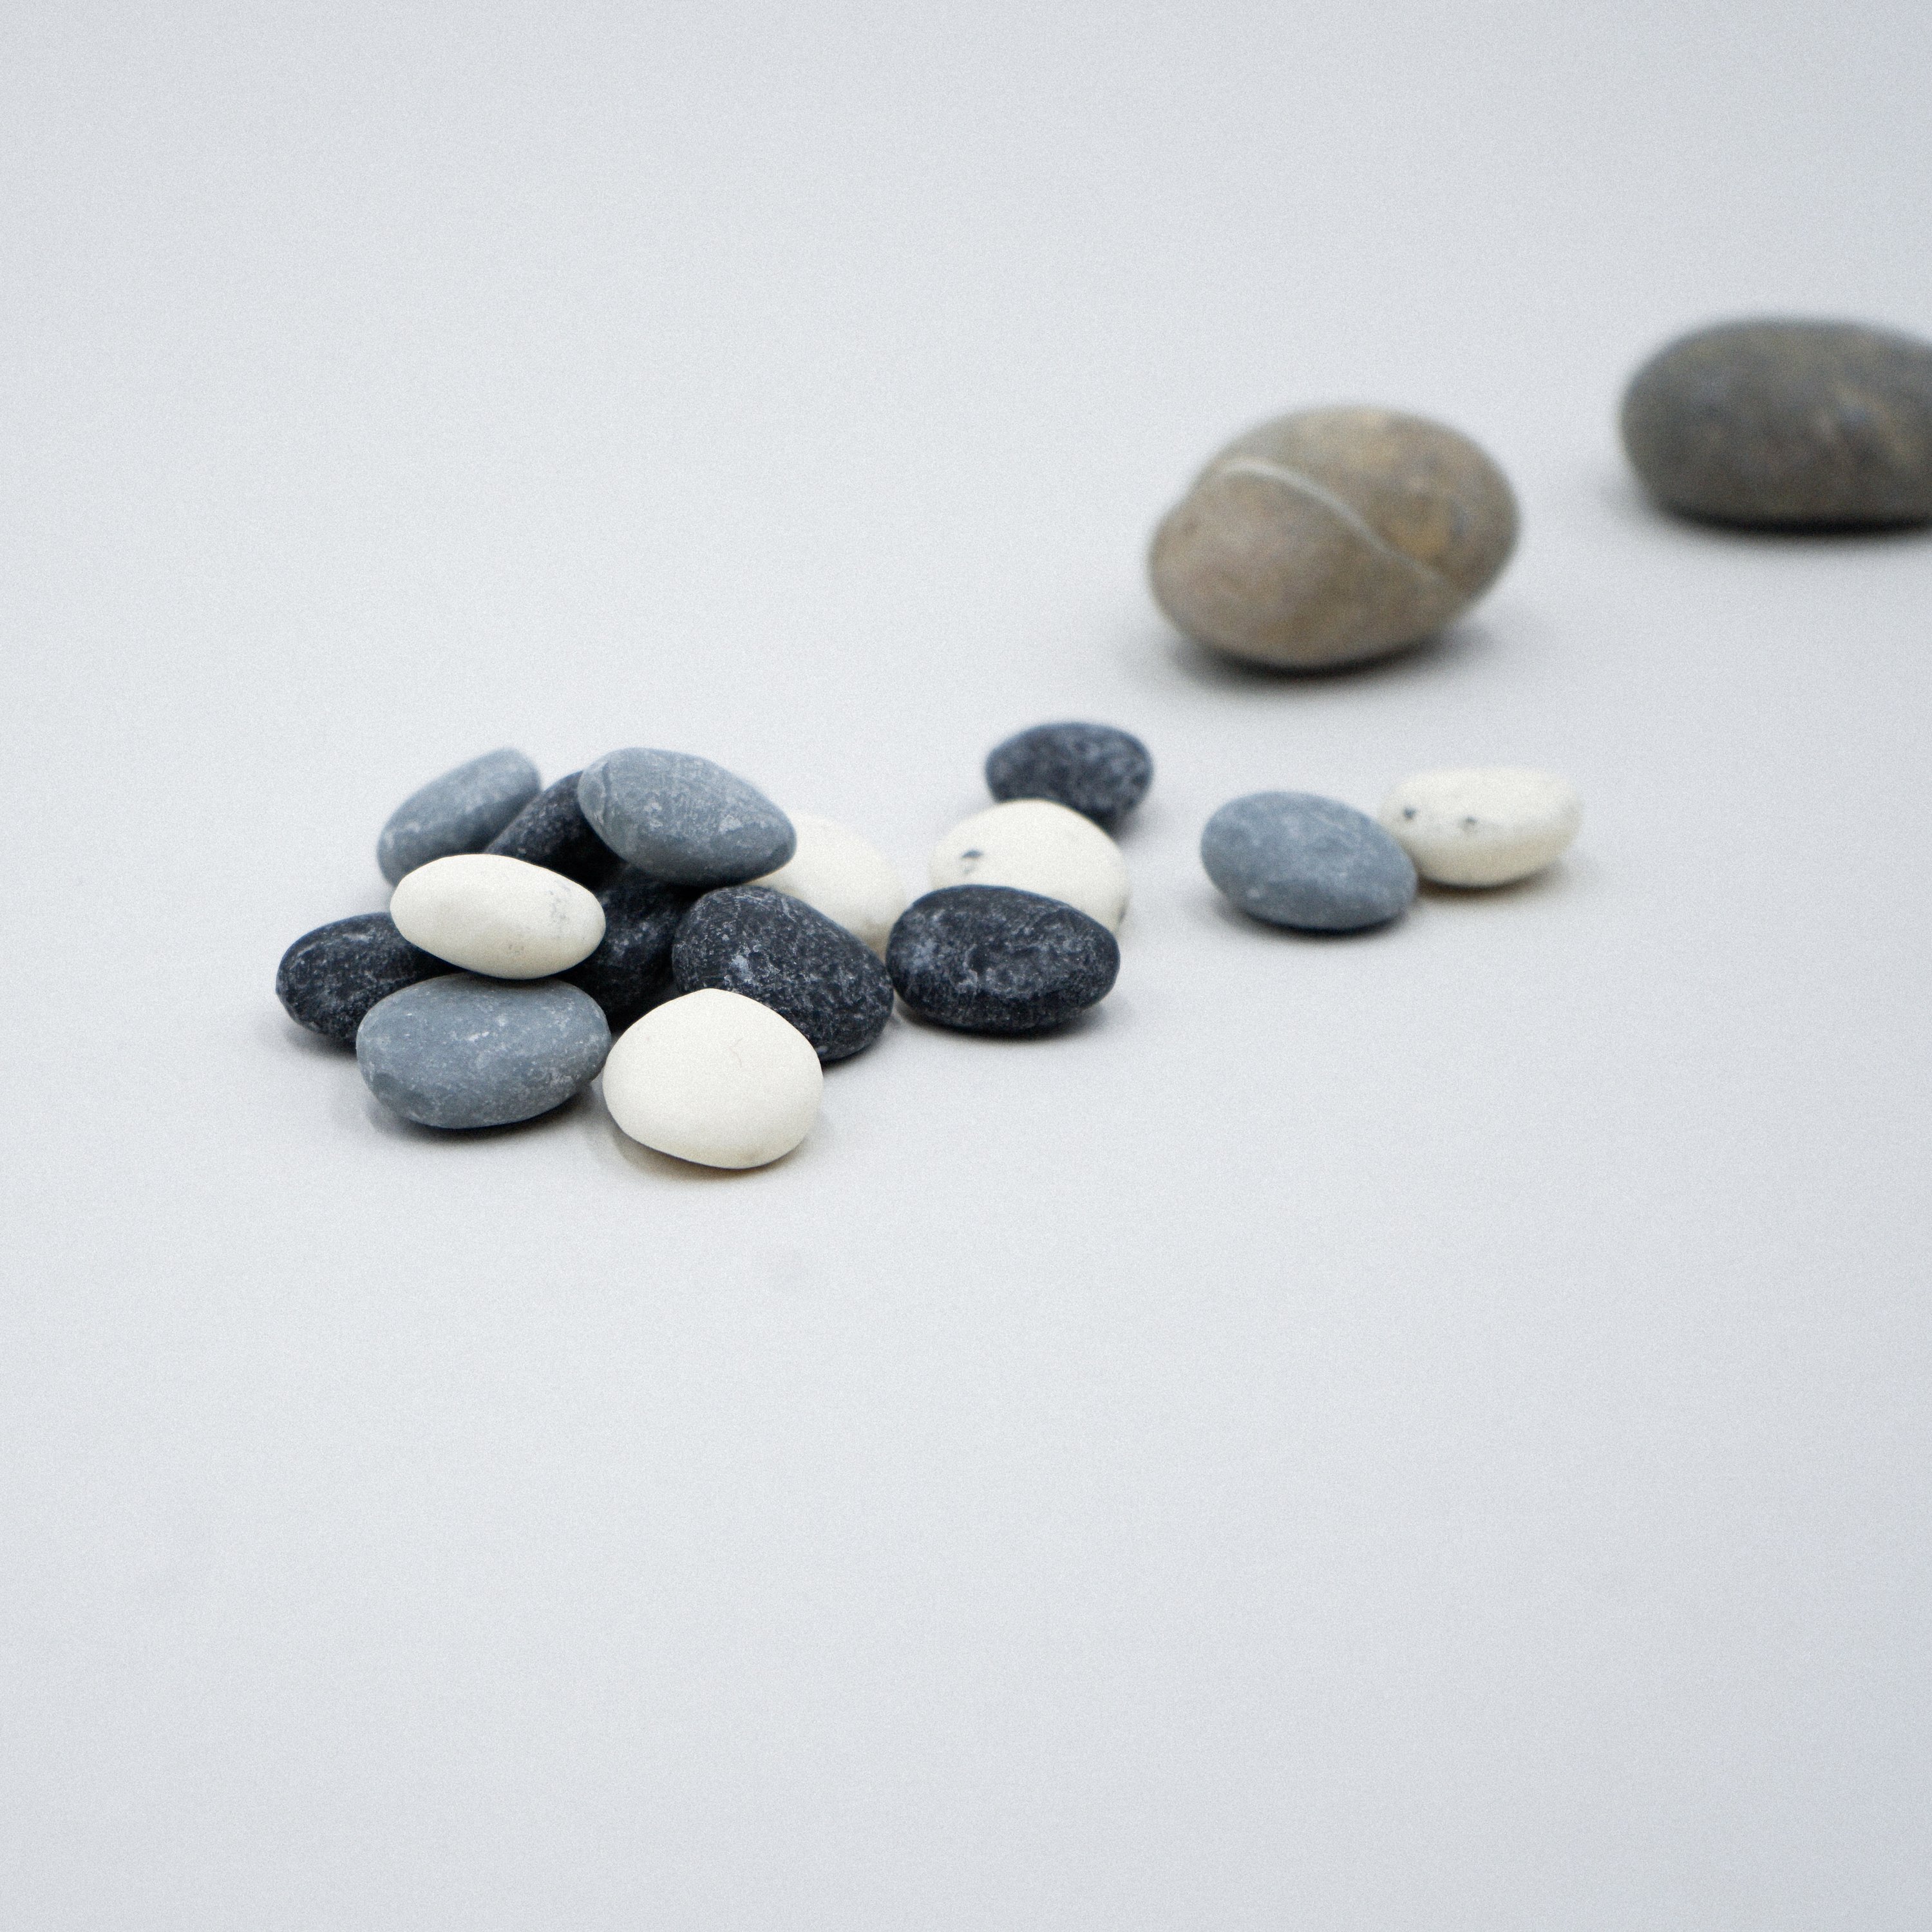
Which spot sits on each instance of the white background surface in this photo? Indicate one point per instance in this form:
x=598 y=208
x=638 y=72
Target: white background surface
x=1423 y=1432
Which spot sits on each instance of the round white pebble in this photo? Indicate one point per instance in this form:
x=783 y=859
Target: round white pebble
x=1039 y=847
x=498 y=917
x=846 y=877
x=1484 y=826
x=715 y=1078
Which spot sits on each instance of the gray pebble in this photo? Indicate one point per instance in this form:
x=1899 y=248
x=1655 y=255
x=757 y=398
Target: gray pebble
x=461 y=811
x=684 y=819
x=1824 y=425
x=551 y=831
x=460 y=1051
x=995 y=959
x=1092 y=769
x=776 y=949
x=329 y=978
x=1292 y=859
x=630 y=969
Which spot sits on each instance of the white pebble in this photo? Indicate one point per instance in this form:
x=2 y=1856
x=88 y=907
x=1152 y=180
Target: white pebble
x=496 y=916
x=846 y=877
x=715 y=1078
x=1485 y=827
x=1039 y=847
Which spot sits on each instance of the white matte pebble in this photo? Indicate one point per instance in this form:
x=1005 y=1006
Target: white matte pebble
x=498 y=916
x=715 y=1078
x=1039 y=847
x=846 y=877
x=1486 y=826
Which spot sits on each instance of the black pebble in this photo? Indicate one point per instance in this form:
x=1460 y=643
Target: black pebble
x=630 y=969
x=331 y=977
x=1092 y=769
x=993 y=959
x=777 y=950
x=552 y=831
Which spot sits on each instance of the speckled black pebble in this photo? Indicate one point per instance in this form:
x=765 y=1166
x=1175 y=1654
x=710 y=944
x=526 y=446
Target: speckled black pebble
x=331 y=977
x=1093 y=769
x=552 y=831
x=630 y=969
x=777 y=950
x=993 y=959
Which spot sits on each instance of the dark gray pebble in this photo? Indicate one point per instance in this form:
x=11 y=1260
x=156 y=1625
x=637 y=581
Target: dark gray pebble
x=552 y=831
x=1292 y=859
x=779 y=951
x=684 y=819
x=1093 y=769
x=461 y=811
x=460 y=1051
x=630 y=971
x=1822 y=424
x=331 y=977
x=993 y=959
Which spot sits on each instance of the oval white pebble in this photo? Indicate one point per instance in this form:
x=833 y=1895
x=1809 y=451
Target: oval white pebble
x=846 y=877
x=1487 y=826
x=498 y=916
x=715 y=1078
x=1038 y=846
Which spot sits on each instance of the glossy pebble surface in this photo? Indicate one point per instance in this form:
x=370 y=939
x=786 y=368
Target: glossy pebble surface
x=1292 y=859
x=631 y=967
x=844 y=876
x=329 y=978
x=992 y=959
x=462 y=1052
x=1333 y=535
x=461 y=811
x=1095 y=769
x=1037 y=846
x=682 y=818
x=715 y=1078
x=783 y=953
x=1778 y=423
x=497 y=915
x=1485 y=826
x=551 y=831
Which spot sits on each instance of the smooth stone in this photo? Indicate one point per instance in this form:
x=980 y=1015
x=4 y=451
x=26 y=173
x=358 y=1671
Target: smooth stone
x=551 y=831
x=715 y=1078
x=1486 y=826
x=1782 y=424
x=844 y=876
x=1036 y=846
x=779 y=951
x=1332 y=536
x=630 y=969
x=462 y=1052
x=496 y=916
x=329 y=978
x=1095 y=769
x=992 y=959
x=682 y=818
x=1292 y=859
x=461 y=811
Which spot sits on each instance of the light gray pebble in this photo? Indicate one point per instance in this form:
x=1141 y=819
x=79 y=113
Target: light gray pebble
x=461 y=811
x=682 y=819
x=1295 y=860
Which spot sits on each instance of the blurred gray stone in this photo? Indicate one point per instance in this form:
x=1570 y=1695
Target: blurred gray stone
x=1292 y=859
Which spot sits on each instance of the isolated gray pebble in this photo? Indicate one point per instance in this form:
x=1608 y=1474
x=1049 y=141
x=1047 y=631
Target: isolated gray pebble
x=460 y=1051
x=461 y=811
x=1095 y=769
x=776 y=949
x=682 y=818
x=1776 y=424
x=630 y=969
x=995 y=959
x=551 y=831
x=1292 y=859
x=329 y=978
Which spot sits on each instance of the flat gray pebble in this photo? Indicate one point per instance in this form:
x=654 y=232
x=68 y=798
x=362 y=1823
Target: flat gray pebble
x=1295 y=860
x=1097 y=769
x=683 y=819
x=459 y=1051
x=461 y=811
